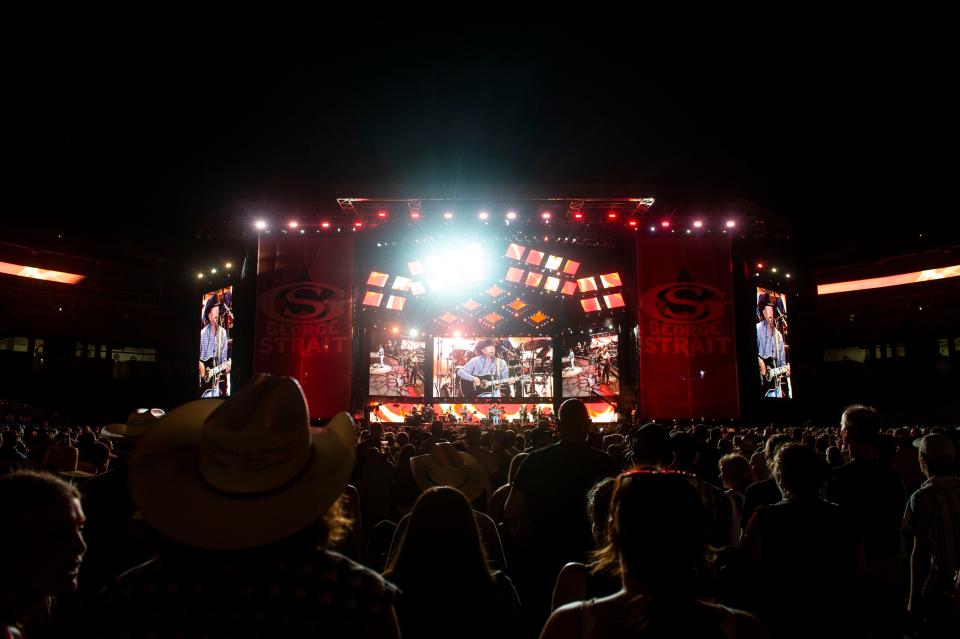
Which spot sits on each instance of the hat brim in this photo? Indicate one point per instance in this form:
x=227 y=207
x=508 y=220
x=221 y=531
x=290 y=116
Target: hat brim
x=475 y=479
x=166 y=485
x=114 y=431
x=76 y=474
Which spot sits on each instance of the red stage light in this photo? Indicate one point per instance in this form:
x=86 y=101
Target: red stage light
x=731 y=224
x=578 y=215
x=612 y=215
x=545 y=215
x=632 y=222
x=381 y=214
x=697 y=224
x=415 y=215
x=357 y=224
x=665 y=224
x=293 y=224
x=759 y=265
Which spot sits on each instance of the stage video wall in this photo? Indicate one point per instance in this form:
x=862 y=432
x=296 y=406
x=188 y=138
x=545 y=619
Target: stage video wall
x=773 y=345
x=591 y=367
x=506 y=368
x=216 y=345
x=397 y=365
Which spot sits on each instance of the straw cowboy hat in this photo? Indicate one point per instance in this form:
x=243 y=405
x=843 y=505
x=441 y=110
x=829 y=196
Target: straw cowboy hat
x=447 y=466
x=242 y=472
x=64 y=460
x=137 y=424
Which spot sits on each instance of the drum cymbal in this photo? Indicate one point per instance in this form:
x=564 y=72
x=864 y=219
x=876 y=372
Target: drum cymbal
x=535 y=344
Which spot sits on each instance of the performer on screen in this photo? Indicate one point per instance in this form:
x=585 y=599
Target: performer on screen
x=771 y=351
x=572 y=359
x=604 y=366
x=495 y=415
x=485 y=364
x=213 y=344
x=380 y=353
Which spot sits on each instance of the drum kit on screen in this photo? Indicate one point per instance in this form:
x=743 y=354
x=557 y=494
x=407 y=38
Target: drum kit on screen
x=530 y=364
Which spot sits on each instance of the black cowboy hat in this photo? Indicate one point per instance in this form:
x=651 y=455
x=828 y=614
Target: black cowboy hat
x=482 y=344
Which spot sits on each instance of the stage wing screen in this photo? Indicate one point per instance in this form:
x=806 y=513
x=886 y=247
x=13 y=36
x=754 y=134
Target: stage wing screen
x=591 y=367
x=490 y=369
x=216 y=344
x=773 y=345
x=397 y=365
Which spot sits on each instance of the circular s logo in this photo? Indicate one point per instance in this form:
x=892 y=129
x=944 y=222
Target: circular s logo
x=684 y=302
x=304 y=302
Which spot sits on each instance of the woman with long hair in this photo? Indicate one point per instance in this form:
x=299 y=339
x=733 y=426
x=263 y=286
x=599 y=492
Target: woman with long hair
x=441 y=569
x=656 y=544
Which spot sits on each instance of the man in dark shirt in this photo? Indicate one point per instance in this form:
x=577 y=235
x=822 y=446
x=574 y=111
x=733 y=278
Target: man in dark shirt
x=871 y=494
x=547 y=504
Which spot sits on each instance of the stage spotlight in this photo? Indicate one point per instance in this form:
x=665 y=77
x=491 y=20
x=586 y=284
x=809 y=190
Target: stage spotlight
x=260 y=225
x=414 y=215
x=325 y=225
x=482 y=215
x=414 y=332
x=731 y=224
x=228 y=265
x=199 y=276
x=759 y=265
x=381 y=214
x=653 y=228
x=773 y=270
x=698 y=224
x=358 y=224
x=545 y=215
x=511 y=215
x=788 y=276
x=456 y=333
x=213 y=271
x=395 y=330
x=612 y=215
x=293 y=224
x=665 y=224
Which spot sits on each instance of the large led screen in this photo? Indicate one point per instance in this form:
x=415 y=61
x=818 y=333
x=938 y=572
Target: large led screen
x=216 y=345
x=397 y=365
x=503 y=368
x=773 y=345
x=590 y=366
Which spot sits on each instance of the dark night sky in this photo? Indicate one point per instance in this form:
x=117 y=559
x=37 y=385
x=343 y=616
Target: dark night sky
x=141 y=134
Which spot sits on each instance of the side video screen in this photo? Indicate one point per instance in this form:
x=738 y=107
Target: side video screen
x=397 y=365
x=773 y=345
x=216 y=345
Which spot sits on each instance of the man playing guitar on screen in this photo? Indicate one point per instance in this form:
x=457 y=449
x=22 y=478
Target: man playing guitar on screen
x=485 y=364
x=214 y=351
x=771 y=352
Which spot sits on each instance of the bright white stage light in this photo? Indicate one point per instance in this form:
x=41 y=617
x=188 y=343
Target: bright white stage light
x=260 y=225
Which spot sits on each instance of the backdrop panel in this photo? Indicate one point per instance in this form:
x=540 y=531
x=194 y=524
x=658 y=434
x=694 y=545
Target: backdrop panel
x=686 y=332
x=303 y=318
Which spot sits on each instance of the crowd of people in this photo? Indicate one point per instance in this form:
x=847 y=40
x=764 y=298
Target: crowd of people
x=241 y=518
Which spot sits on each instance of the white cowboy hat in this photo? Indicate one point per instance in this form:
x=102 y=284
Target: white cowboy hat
x=137 y=424
x=241 y=472
x=447 y=466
